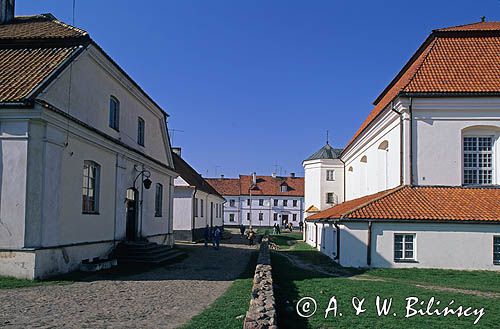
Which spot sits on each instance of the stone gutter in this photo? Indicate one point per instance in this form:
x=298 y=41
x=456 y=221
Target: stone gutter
x=262 y=310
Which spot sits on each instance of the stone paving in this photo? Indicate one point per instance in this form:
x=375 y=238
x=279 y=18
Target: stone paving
x=165 y=297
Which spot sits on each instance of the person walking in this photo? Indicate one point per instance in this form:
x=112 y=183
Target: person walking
x=251 y=237
x=217 y=236
x=206 y=235
x=275 y=231
x=242 y=229
x=301 y=226
x=278 y=229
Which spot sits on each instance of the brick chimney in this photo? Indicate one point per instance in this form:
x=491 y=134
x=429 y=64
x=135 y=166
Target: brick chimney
x=6 y=11
x=292 y=175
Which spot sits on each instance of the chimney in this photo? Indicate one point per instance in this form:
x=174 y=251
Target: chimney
x=254 y=178
x=292 y=174
x=222 y=176
x=176 y=150
x=6 y=11
x=274 y=175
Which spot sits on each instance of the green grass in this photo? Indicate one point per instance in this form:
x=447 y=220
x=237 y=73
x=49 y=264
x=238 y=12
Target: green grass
x=12 y=283
x=229 y=310
x=294 y=283
x=472 y=280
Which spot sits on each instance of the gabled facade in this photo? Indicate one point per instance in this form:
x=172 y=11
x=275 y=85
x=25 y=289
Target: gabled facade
x=261 y=201
x=196 y=203
x=437 y=124
x=78 y=138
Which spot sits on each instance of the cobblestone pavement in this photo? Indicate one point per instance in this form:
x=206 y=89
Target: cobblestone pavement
x=165 y=297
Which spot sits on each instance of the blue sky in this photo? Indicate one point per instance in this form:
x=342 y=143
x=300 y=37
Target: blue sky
x=254 y=84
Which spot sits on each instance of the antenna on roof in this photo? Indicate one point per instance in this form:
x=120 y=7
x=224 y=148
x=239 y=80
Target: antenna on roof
x=173 y=131
x=74 y=6
x=327 y=138
x=483 y=18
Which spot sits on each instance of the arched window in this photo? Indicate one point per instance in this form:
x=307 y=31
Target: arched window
x=350 y=169
x=141 y=128
x=383 y=165
x=90 y=190
x=158 y=200
x=114 y=113
x=364 y=159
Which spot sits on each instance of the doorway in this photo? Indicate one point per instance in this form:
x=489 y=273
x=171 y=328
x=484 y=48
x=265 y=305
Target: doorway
x=131 y=203
x=284 y=220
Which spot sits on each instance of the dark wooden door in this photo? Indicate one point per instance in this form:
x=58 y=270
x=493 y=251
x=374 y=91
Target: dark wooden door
x=131 y=203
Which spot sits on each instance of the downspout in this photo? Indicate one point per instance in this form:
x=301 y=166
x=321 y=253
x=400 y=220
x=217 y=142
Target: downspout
x=193 y=205
x=116 y=197
x=401 y=141
x=337 y=228
x=411 y=140
x=316 y=235
x=345 y=183
x=369 y=245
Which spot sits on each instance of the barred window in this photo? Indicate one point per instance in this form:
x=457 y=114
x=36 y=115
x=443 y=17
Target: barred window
x=330 y=175
x=90 y=192
x=478 y=156
x=404 y=247
x=496 y=250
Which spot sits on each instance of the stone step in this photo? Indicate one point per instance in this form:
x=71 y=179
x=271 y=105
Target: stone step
x=145 y=253
x=151 y=260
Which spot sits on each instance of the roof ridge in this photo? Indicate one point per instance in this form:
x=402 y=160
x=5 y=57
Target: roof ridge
x=389 y=192
x=66 y=25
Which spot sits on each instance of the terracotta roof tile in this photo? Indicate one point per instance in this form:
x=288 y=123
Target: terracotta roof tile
x=266 y=185
x=462 y=60
x=421 y=203
x=21 y=70
x=43 y=26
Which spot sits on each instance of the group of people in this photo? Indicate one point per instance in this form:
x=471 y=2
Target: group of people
x=213 y=235
x=250 y=234
x=287 y=226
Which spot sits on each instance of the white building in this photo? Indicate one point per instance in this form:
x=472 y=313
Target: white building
x=261 y=201
x=196 y=203
x=77 y=139
x=422 y=173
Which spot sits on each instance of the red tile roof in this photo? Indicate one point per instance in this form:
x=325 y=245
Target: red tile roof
x=31 y=49
x=266 y=185
x=421 y=203
x=460 y=60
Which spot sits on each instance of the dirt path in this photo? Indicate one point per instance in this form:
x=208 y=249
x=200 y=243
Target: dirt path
x=165 y=297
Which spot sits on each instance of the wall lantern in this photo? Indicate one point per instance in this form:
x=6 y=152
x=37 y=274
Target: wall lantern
x=145 y=174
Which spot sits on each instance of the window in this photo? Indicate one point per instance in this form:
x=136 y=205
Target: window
x=141 y=126
x=295 y=203
x=285 y=203
x=330 y=175
x=275 y=202
x=196 y=207
x=478 y=165
x=158 y=200
x=404 y=247
x=90 y=192
x=231 y=203
x=331 y=198
x=231 y=217
x=248 y=202
x=114 y=113
x=294 y=216
x=261 y=216
x=248 y=216
x=496 y=250
x=275 y=217
x=261 y=202
x=201 y=208
x=284 y=188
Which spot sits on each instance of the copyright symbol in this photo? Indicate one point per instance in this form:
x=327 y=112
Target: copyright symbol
x=306 y=307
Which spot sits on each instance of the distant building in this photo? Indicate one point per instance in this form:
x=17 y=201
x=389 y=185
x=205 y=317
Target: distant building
x=261 y=200
x=196 y=203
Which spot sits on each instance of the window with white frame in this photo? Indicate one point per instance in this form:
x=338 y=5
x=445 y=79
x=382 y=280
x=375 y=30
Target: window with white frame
x=231 y=203
x=404 y=247
x=248 y=202
x=158 y=200
x=231 y=217
x=284 y=188
x=261 y=202
x=294 y=216
x=90 y=192
x=275 y=217
x=248 y=216
x=275 y=202
x=496 y=250
x=330 y=175
x=331 y=198
x=295 y=203
x=478 y=160
x=114 y=113
x=285 y=203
